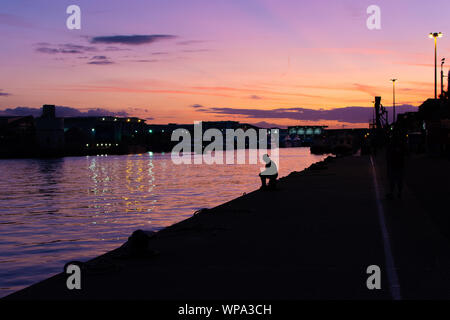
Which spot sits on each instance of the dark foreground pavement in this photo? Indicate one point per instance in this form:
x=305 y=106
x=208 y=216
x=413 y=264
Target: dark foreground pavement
x=419 y=226
x=314 y=238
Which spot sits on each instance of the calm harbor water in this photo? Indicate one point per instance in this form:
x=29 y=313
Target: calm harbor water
x=56 y=210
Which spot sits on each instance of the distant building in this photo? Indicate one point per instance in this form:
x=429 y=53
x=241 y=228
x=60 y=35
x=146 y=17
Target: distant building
x=17 y=136
x=306 y=130
x=206 y=125
x=302 y=136
x=434 y=115
x=49 y=132
x=161 y=140
x=106 y=134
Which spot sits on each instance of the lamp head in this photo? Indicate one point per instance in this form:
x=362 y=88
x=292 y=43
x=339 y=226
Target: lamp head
x=436 y=35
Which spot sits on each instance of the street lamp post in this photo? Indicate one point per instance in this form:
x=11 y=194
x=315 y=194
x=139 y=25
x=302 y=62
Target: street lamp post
x=435 y=35
x=393 y=100
x=442 y=77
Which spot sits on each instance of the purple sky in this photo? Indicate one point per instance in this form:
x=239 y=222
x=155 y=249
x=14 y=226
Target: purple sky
x=155 y=59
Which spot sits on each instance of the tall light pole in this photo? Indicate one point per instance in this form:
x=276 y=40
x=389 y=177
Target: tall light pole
x=435 y=35
x=442 y=77
x=393 y=98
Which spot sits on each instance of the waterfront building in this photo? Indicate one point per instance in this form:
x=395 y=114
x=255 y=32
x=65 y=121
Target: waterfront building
x=304 y=135
x=17 y=135
x=49 y=132
x=105 y=134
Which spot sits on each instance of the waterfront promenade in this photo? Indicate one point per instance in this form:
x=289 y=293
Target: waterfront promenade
x=312 y=239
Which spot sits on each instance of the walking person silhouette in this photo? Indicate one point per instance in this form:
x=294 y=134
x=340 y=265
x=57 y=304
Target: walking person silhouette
x=395 y=156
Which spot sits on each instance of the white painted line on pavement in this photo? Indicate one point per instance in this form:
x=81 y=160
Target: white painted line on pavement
x=394 y=284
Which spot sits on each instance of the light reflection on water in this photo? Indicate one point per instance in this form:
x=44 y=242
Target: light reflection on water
x=56 y=210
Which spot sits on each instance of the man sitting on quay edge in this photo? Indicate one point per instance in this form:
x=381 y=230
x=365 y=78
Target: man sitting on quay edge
x=271 y=173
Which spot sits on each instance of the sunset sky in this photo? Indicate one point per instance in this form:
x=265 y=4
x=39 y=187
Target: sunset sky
x=246 y=60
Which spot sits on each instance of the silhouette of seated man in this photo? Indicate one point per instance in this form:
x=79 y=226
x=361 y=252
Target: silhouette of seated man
x=271 y=174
